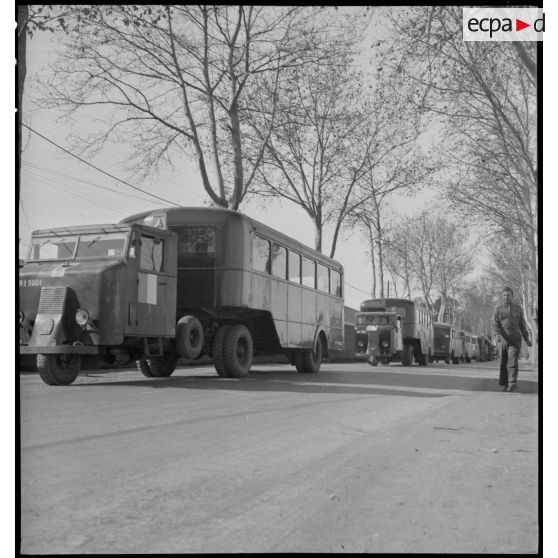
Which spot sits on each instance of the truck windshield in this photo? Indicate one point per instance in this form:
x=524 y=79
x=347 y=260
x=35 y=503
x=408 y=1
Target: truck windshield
x=374 y=319
x=85 y=246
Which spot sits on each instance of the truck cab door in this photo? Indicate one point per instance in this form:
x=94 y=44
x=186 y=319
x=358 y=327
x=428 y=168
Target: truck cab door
x=152 y=282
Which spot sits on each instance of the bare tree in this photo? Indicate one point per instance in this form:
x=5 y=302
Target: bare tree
x=176 y=80
x=396 y=161
x=484 y=93
x=310 y=158
x=434 y=252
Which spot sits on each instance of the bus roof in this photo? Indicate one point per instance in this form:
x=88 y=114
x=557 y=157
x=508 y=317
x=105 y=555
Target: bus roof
x=177 y=216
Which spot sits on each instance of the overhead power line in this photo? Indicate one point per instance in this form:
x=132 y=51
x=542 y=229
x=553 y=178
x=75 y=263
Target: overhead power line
x=356 y=288
x=97 y=168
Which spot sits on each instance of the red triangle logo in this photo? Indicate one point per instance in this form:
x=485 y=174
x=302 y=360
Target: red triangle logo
x=519 y=25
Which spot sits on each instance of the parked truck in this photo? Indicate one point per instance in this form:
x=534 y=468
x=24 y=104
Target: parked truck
x=176 y=283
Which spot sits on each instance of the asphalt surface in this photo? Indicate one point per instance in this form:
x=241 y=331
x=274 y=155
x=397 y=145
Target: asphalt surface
x=353 y=459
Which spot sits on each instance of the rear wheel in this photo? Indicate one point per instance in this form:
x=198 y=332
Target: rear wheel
x=157 y=366
x=189 y=337
x=217 y=350
x=238 y=351
x=144 y=368
x=162 y=366
x=299 y=361
x=58 y=370
x=447 y=360
x=312 y=358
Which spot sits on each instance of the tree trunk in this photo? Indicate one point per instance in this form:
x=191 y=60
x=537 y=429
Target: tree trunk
x=372 y=258
x=237 y=153
x=22 y=17
x=380 y=240
x=318 y=234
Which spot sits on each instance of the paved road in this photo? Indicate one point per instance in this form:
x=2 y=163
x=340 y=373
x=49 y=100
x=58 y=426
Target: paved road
x=354 y=459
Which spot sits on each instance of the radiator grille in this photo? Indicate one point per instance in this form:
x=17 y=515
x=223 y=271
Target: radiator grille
x=52 y=300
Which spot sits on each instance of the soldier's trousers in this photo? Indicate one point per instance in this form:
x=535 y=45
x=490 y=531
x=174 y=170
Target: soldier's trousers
x=508 y=362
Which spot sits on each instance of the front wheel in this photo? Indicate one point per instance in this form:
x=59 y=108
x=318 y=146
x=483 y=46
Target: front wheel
x=373 y=361
x=58 y=370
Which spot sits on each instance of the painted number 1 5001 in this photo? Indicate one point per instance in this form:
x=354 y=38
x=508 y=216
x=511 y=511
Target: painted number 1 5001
x=29 y=282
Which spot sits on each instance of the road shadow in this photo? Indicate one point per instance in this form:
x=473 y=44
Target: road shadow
x=416 y=383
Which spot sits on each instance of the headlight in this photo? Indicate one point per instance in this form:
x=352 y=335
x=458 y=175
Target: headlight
x=82 y=317
x=21 y=316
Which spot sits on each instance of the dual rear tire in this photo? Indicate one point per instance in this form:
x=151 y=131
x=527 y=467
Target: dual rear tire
x=233 y=351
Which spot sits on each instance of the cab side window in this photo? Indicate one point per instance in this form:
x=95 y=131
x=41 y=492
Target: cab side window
x=151 y=253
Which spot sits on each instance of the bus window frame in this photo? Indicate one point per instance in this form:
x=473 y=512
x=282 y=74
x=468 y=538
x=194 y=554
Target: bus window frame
x=299 y=274
x=267 y=270
x=273 y=260
x=302 y=274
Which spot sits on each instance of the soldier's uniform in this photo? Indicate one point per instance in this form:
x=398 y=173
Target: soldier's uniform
x=509 y=324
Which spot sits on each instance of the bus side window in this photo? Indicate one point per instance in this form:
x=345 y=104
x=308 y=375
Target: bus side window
x=308 y=272
x=335 y=285
x=260 y=254
x=323 y=278
x=294 y=267
x=279 y=261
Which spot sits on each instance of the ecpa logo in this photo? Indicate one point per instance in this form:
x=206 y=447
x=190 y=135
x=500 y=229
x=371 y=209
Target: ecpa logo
x=503 y=24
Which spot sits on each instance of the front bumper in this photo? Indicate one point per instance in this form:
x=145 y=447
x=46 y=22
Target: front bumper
x=59 y=349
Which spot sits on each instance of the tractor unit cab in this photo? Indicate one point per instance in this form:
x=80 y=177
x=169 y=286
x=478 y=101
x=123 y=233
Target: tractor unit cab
x=98 y=294
x=378 y=336
x=394 y=329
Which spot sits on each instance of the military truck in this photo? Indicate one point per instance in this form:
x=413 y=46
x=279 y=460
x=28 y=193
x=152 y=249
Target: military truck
x=176 y=282
x=98 y=293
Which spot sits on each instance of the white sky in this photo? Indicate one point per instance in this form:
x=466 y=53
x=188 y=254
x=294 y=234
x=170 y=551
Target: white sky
x=57 y=190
